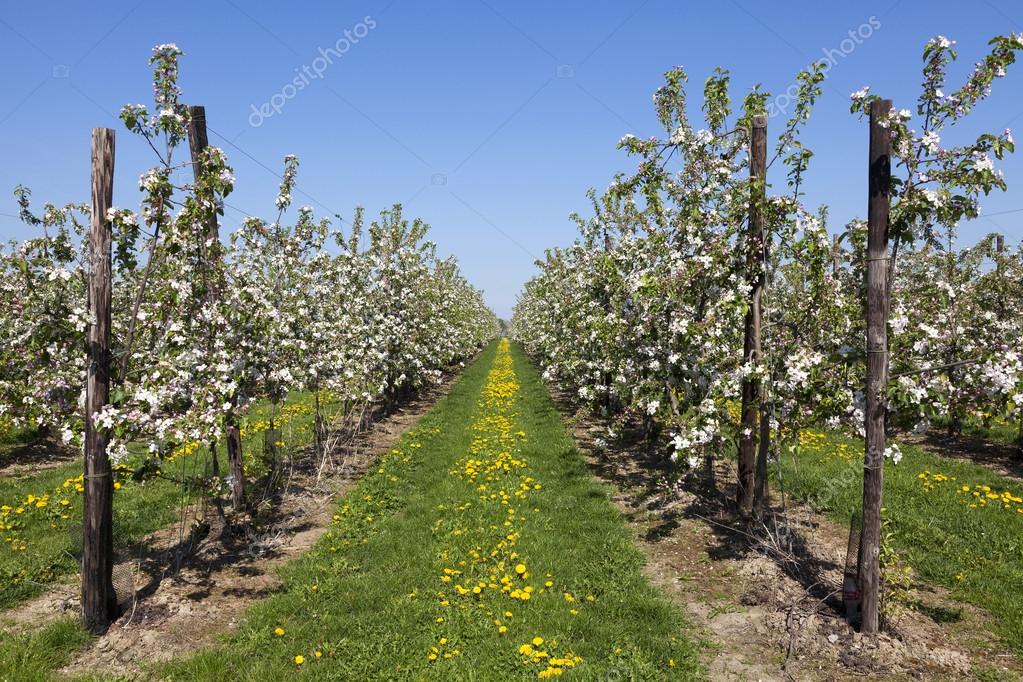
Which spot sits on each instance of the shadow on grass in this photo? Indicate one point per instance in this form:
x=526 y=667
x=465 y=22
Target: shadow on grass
x=34 y=454
x=981 y=451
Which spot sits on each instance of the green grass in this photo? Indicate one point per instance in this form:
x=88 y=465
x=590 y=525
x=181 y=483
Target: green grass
x=977 y=553
x=35 y=655
x=998 y=429
x=50 y=541
x=369 y=598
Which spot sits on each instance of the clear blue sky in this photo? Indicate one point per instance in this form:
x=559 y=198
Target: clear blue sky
x=489 y=119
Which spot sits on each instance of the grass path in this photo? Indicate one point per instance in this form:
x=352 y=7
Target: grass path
x=479 y=548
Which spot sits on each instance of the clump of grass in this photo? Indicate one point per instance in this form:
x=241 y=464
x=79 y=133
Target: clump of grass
x=34 y=655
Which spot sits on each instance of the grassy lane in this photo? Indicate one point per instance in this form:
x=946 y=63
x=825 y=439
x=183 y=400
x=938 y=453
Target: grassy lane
x=40 y=513
x=956 y=523
x=478 y=548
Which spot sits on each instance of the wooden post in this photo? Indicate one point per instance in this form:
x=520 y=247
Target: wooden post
x=836 y=254
x=99 y=601
x=197 y=144
x=877 y=360
x=755 y=243
x=198 y=141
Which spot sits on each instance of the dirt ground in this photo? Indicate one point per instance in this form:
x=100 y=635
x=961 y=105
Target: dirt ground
x=767 y=600
x=188 y=588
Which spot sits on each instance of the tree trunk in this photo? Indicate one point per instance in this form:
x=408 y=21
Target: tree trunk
x=234 y=458
x=762 y=494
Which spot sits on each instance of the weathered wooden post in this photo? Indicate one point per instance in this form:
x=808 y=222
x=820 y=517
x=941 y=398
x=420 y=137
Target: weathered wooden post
x=198 y=141
x=836 y=254
x=197 y=144
x=99 y=601
x=878 y=207
x=755 y=242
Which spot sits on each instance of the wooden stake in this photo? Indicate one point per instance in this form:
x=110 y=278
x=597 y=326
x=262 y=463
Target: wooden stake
x=878 y=207
x=836 y=254
x=755 y=243
x=197 y=144
x=198 y=141
x=99 y=601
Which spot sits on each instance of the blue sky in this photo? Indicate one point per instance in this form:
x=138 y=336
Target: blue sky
x=488 y=119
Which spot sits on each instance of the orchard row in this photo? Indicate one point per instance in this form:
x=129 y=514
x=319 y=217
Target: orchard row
x=177 y=332
x=703 y=284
